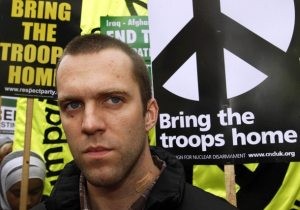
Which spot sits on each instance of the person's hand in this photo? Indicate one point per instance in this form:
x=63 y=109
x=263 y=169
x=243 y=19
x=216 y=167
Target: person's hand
x=5 y=149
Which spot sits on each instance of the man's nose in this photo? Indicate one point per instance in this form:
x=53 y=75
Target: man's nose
x=93 y=120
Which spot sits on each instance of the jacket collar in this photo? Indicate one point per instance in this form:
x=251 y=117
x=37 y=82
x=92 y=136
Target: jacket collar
x=169 y=187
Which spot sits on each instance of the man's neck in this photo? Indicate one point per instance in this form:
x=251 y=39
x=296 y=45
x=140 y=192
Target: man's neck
x=126 y=193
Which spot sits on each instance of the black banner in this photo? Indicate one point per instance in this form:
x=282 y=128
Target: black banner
x=32 y=38
x=228 y=93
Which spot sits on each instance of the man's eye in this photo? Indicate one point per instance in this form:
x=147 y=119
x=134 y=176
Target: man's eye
x=114 y=100
x=73 y=105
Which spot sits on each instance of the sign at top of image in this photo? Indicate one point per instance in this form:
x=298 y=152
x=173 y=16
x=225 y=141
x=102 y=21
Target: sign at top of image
x=34 y=35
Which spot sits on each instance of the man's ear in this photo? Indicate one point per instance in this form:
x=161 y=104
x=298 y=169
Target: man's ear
x=151 y=114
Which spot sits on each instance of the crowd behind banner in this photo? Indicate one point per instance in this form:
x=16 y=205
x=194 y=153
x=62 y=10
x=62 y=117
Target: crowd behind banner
x=266 y=186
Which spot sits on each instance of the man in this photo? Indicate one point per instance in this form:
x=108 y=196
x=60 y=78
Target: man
x=107 y=110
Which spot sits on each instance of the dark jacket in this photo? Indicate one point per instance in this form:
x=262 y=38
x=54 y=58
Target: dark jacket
x=171 y=192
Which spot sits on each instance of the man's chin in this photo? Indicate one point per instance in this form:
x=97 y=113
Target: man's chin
x=103 y=177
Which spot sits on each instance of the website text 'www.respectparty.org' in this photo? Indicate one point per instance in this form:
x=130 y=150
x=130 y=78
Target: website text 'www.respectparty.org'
x=237 y=156
x=30 y=91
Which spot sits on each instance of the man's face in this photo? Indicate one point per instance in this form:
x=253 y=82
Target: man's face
x=102 y=115
x=35 y=191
